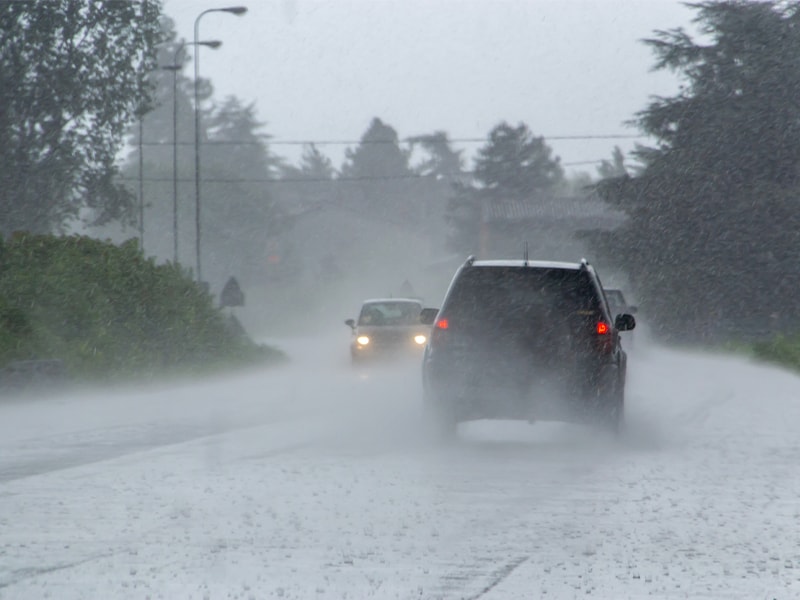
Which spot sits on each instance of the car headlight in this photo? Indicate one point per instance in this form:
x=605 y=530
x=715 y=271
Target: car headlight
x=420 y=339
x=363 y=340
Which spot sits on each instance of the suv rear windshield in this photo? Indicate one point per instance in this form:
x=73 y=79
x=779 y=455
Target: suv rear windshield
x=492 y=293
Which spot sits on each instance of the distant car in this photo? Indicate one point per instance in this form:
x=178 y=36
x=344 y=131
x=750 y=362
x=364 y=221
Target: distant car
x=529 y=340
x=388 y=328
x=617 y=302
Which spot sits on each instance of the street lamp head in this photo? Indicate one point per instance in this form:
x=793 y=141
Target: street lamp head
x=177 y=66
x=207 y=43
x=235 y=10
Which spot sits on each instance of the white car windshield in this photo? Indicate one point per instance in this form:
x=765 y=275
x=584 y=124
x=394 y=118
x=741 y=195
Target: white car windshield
x=389 y=313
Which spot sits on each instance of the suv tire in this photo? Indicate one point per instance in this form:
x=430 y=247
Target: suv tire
x=440 y=418
x=610 y=397
x=614 y=419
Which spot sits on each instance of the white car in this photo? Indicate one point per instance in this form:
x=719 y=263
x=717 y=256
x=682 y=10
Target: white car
x=388 y=328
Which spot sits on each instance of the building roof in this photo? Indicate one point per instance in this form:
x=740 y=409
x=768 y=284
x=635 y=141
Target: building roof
x=582 y=211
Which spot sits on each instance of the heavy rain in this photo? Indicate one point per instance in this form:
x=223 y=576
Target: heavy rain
x=293 y=300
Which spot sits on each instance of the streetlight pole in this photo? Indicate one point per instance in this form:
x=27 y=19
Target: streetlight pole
x=141 y=183
x=234 y=10
x=175 y=67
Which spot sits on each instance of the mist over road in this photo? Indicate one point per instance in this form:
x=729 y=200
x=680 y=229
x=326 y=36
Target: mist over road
x=317 y=481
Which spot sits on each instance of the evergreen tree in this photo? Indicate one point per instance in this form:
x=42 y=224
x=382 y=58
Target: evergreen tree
x=171 y=107
x=378 y=155
x=314 y=166
x=514 y=165
x=615 y=167
x=241 y=223
x=376 y=179
x=712 y=238
x=442 y=161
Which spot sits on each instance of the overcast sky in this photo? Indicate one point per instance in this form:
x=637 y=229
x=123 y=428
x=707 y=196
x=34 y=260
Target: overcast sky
x=322 y=69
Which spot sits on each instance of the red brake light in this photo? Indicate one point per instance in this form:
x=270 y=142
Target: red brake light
x=602 y=328
x=442 y=324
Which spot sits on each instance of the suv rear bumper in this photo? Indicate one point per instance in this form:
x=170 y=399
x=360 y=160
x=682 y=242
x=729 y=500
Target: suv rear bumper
x=572 y=393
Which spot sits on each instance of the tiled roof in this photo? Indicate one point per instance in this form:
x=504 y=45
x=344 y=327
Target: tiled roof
x=578 y=208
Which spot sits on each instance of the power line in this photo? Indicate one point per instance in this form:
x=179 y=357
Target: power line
x=269 y=142
x=583 y=162
x=287 y=180
x=476 y=140
x=410 y=176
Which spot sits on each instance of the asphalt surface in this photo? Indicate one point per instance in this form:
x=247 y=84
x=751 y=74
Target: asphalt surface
x=317 y=480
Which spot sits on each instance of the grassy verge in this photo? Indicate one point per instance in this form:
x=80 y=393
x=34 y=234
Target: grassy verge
x=781 y=350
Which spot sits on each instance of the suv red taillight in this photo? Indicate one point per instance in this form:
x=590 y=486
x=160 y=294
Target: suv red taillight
x=438 y=332
x=604 y=340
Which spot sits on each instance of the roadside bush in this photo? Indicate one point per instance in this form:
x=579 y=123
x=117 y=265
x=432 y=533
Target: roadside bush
x=781 y=350
x=108 y=311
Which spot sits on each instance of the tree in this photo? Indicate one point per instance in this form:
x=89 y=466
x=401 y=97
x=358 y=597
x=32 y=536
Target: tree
x=242 y=224
x=240 y=221
x=235 y=141
x=442 y=160
x=513 y=165
x=714 y=211
x=72 y=76
x=516 y=164
x=740 y=92
x=158 y=118
x=314 y=166
x=376 y=179
x=377 y=155
x=157 y=154
x=307 y=187
x=613 y=168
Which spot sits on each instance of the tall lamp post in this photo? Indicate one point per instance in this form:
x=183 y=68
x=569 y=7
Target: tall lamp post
x=141 y=183
x=234 y=10
x=175 y=67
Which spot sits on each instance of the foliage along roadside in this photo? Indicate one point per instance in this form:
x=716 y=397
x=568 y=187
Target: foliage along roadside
x=781 y=350
x=711 y=239
x=108 y=312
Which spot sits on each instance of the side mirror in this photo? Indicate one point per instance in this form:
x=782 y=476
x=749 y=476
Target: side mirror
x=350 y=323
x=624 y=322
x=428 y=315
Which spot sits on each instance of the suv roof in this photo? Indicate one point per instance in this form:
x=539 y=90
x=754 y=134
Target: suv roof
x=541 y=264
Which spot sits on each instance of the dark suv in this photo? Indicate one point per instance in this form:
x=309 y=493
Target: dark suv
x=519 y=339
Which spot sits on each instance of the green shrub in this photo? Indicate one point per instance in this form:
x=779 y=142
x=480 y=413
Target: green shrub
x=782 y=350
x=108 y=311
